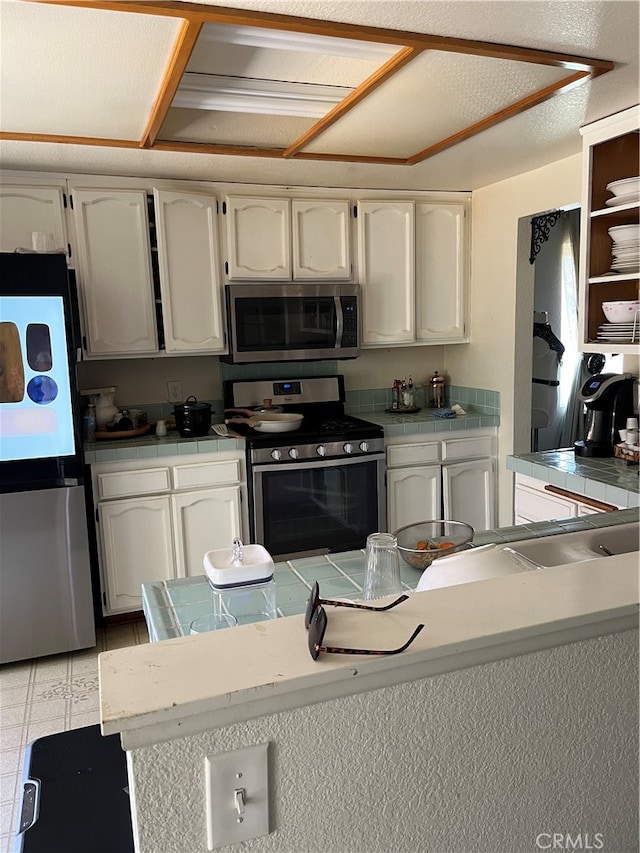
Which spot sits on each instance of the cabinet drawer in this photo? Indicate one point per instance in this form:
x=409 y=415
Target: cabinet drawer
x=541 y=506
x=467 y=448
x=202 y=474
x=399 y=455
x=144 y=481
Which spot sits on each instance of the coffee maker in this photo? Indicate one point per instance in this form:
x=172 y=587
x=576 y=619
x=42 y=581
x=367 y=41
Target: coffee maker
x=608 y=399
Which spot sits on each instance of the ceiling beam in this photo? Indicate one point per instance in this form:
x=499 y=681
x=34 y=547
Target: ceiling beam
x=182 y=50
x=497 y=117
x=201 y=13
x=402 y=58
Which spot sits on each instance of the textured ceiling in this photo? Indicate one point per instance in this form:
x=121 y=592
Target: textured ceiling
x=96 y=74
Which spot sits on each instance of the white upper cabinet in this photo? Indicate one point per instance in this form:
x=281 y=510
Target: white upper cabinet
x=24 y=209
x=413 y=268
x=190 y=271
x=258 y=238
x=285 y=239
x=386 y=270
x=114 y=266
x=441 y=274
x=320 y=237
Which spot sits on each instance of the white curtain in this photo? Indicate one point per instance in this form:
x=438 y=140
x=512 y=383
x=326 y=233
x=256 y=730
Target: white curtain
x=572 y=374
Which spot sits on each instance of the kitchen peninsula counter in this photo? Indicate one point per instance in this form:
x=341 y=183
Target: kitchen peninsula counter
x=169 y=689
x=171 y=605
x=608 y=479
x=500 y=663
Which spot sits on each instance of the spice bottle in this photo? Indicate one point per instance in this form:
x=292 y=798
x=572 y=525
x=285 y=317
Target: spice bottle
x=89 y=424
x=395 y=395
x=436 y=385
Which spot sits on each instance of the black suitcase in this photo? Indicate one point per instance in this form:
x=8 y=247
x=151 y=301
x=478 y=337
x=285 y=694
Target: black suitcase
x=75 y=795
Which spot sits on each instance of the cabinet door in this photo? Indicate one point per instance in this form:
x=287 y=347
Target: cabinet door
x=468 y=493
x=204 y=521
x=413 y=494
x=440 y=273
x=258 y=238
x=321 y=245
x=24 y=209
x=137 y=548
x=386 y=268
x=112 y=232
x=190 y=275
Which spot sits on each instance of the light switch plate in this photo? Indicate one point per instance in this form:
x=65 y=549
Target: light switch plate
x=245 y=769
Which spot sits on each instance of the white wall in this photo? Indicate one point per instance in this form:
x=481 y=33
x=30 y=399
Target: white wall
x=483 y=759
x=144 y=380
x=489 y=360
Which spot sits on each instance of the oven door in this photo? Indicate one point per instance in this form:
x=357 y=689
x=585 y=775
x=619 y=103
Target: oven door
x=318 y=507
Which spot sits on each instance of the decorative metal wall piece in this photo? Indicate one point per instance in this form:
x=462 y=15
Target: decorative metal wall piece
x=540 y=229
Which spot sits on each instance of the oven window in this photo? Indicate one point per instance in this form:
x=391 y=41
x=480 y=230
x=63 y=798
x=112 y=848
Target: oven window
x=330 y=508
x=280 y=322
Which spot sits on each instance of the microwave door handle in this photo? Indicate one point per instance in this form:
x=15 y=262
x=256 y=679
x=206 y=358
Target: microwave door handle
x=339 y=321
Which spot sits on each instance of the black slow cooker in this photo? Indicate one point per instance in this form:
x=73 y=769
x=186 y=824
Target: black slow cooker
x=192 y=418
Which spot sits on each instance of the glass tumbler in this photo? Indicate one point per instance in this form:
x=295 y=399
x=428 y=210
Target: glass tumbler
x=382 y=567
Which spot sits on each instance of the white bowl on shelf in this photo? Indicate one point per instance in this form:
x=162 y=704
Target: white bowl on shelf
x=624 y=233
x=625 y=186
x=621 y=312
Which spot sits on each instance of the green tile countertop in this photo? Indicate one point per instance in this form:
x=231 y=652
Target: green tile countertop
x=611 y=480
x=170 y=606
x=150 y=446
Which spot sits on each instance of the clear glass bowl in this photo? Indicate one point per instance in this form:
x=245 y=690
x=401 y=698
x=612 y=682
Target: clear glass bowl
x=419 y=544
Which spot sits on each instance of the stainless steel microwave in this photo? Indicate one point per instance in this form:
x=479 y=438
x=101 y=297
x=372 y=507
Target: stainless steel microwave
x=292 y=322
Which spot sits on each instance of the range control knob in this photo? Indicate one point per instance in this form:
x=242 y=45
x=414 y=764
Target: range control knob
x=275 y=454
x=321 y=450
x=293 y=453
x=348 y=447
x=364 y=446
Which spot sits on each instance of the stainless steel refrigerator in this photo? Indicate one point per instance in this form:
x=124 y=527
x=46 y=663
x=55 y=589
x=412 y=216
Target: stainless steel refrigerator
x=46 y=597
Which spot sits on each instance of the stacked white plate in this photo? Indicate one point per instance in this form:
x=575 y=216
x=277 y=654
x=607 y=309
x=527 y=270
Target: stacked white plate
x=626 y=248
x=619 y=332
x=625 y=191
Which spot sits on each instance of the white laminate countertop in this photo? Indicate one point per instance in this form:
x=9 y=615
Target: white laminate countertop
x=157 y=692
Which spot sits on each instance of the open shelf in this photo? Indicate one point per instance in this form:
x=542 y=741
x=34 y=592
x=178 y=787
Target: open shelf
x=607 y=160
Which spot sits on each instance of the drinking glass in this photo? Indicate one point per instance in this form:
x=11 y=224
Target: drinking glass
x=212 y=622
x=382 y=566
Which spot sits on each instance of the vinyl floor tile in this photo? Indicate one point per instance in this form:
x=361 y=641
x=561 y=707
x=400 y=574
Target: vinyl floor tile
x=46 y=696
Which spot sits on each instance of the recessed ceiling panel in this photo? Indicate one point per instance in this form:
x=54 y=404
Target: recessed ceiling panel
x=120 y=61
x=265 y=64
x=225 y=128
x=431 y=98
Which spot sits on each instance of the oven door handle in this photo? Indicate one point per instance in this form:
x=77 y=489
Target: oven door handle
x=334 y=462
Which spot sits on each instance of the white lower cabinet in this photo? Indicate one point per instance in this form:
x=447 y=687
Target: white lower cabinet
x=203 y=521
x=468 y=492
x=137 y=547
x=157 y=522
x=413 y=494
x=447 y=478
x=536 y=500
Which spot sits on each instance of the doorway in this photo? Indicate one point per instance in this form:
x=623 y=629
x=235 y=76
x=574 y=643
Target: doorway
x=548 y=364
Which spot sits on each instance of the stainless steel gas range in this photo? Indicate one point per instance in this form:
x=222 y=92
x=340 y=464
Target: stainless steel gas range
x=319 y=488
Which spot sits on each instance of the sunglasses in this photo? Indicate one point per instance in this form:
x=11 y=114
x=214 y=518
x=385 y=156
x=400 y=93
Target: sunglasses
x=316 y=622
